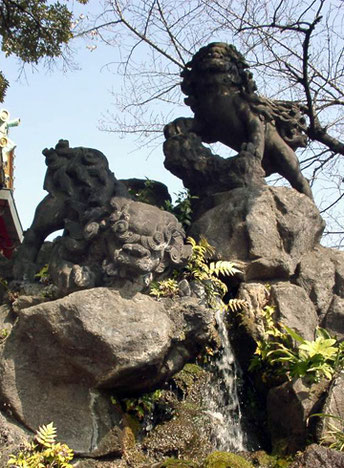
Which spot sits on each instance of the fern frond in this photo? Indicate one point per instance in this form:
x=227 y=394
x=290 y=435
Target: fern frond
x=209 y=250
x=235 y=305
x=46 y=435
x=223 y=267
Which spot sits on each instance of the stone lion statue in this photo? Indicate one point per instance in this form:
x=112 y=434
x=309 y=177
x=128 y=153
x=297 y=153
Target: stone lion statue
x=108 y=238
x=222 y=94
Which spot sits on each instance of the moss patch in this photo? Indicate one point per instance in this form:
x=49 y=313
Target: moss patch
x=174 y=463
x=226 y=460
x=187 y=377
x=262 y=460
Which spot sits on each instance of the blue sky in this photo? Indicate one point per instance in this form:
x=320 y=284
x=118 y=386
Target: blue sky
x=53 y=105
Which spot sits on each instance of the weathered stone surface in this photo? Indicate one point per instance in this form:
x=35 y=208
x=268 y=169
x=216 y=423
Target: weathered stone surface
x=334 y=319
x=11 y=437
x=85 y=419
x=188 y=434
x=337 y=257
x=334 y=405
x=294 y=309
x=316 y=275
x=6 y=318
x=24 y=302
x=316 y=456
x=61 y=354
x=256 y=296
x=288 y=407
x=269 y=228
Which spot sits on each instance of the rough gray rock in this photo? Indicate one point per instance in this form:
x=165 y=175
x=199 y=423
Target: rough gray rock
x=11 y=437
x=316 y=275
x=61 y=355
x=256 y=296
x=288 y=408
x=334 y=319
x=338 y=260
x=294 y=309
x=316 y=456
x=334 y=405
x=147 y=190
x=268 y=228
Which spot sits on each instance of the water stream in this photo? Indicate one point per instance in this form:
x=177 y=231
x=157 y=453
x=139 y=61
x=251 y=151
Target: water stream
x=222 y=403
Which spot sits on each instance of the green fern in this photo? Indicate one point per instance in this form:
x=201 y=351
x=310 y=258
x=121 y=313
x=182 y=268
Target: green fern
x=46 y=435
x=223 y=268
x=236 y=305
x=164 y=288
x=198 y=269
x=45 y=454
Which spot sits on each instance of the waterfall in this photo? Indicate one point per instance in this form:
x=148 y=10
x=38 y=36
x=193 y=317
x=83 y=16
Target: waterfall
x=222 y=401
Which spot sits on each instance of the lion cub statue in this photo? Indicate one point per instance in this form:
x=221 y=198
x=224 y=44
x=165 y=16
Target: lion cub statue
x=222 y=94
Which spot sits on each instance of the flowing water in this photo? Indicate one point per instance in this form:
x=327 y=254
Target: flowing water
x=222 y=403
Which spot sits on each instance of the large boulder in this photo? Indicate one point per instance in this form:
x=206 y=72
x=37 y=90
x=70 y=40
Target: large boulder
x=294 y=309
x=321 y=274
x=334 y=319
x=288 y=408
x=61 y=355
x=267 y=228
x=316 y=274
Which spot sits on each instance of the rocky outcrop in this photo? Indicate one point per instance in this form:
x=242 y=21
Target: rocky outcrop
x=63 y=357
x=267 y=228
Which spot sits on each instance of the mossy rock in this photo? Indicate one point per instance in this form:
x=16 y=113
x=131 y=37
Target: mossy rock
x=226 y=460
x=263 y=460
x=186 y=378
x=174 y=463
x=186 y=436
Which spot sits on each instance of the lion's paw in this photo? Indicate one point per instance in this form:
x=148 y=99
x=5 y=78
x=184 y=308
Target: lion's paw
x=179 y=126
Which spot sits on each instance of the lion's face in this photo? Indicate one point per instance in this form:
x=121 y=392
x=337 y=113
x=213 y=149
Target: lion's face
x=142 y=239
x=216 y=64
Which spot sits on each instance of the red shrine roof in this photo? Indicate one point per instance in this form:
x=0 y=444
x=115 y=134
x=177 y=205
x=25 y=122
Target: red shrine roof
x=11 y=232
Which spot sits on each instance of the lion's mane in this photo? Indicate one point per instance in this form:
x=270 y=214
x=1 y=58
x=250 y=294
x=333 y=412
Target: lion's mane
x=220 y=68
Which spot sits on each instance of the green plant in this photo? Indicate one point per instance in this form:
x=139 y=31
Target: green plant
x=207 y=274
x=3 y=333
x=280 y=350
x=182 y=208
x=4 y=283
x=45 y=453
x=199 y=270
x=140 y=406
x=334 y=436
x=144 y=195
x=236 y=305
x=310 y=359
x=164 y=288
x=43 y=274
